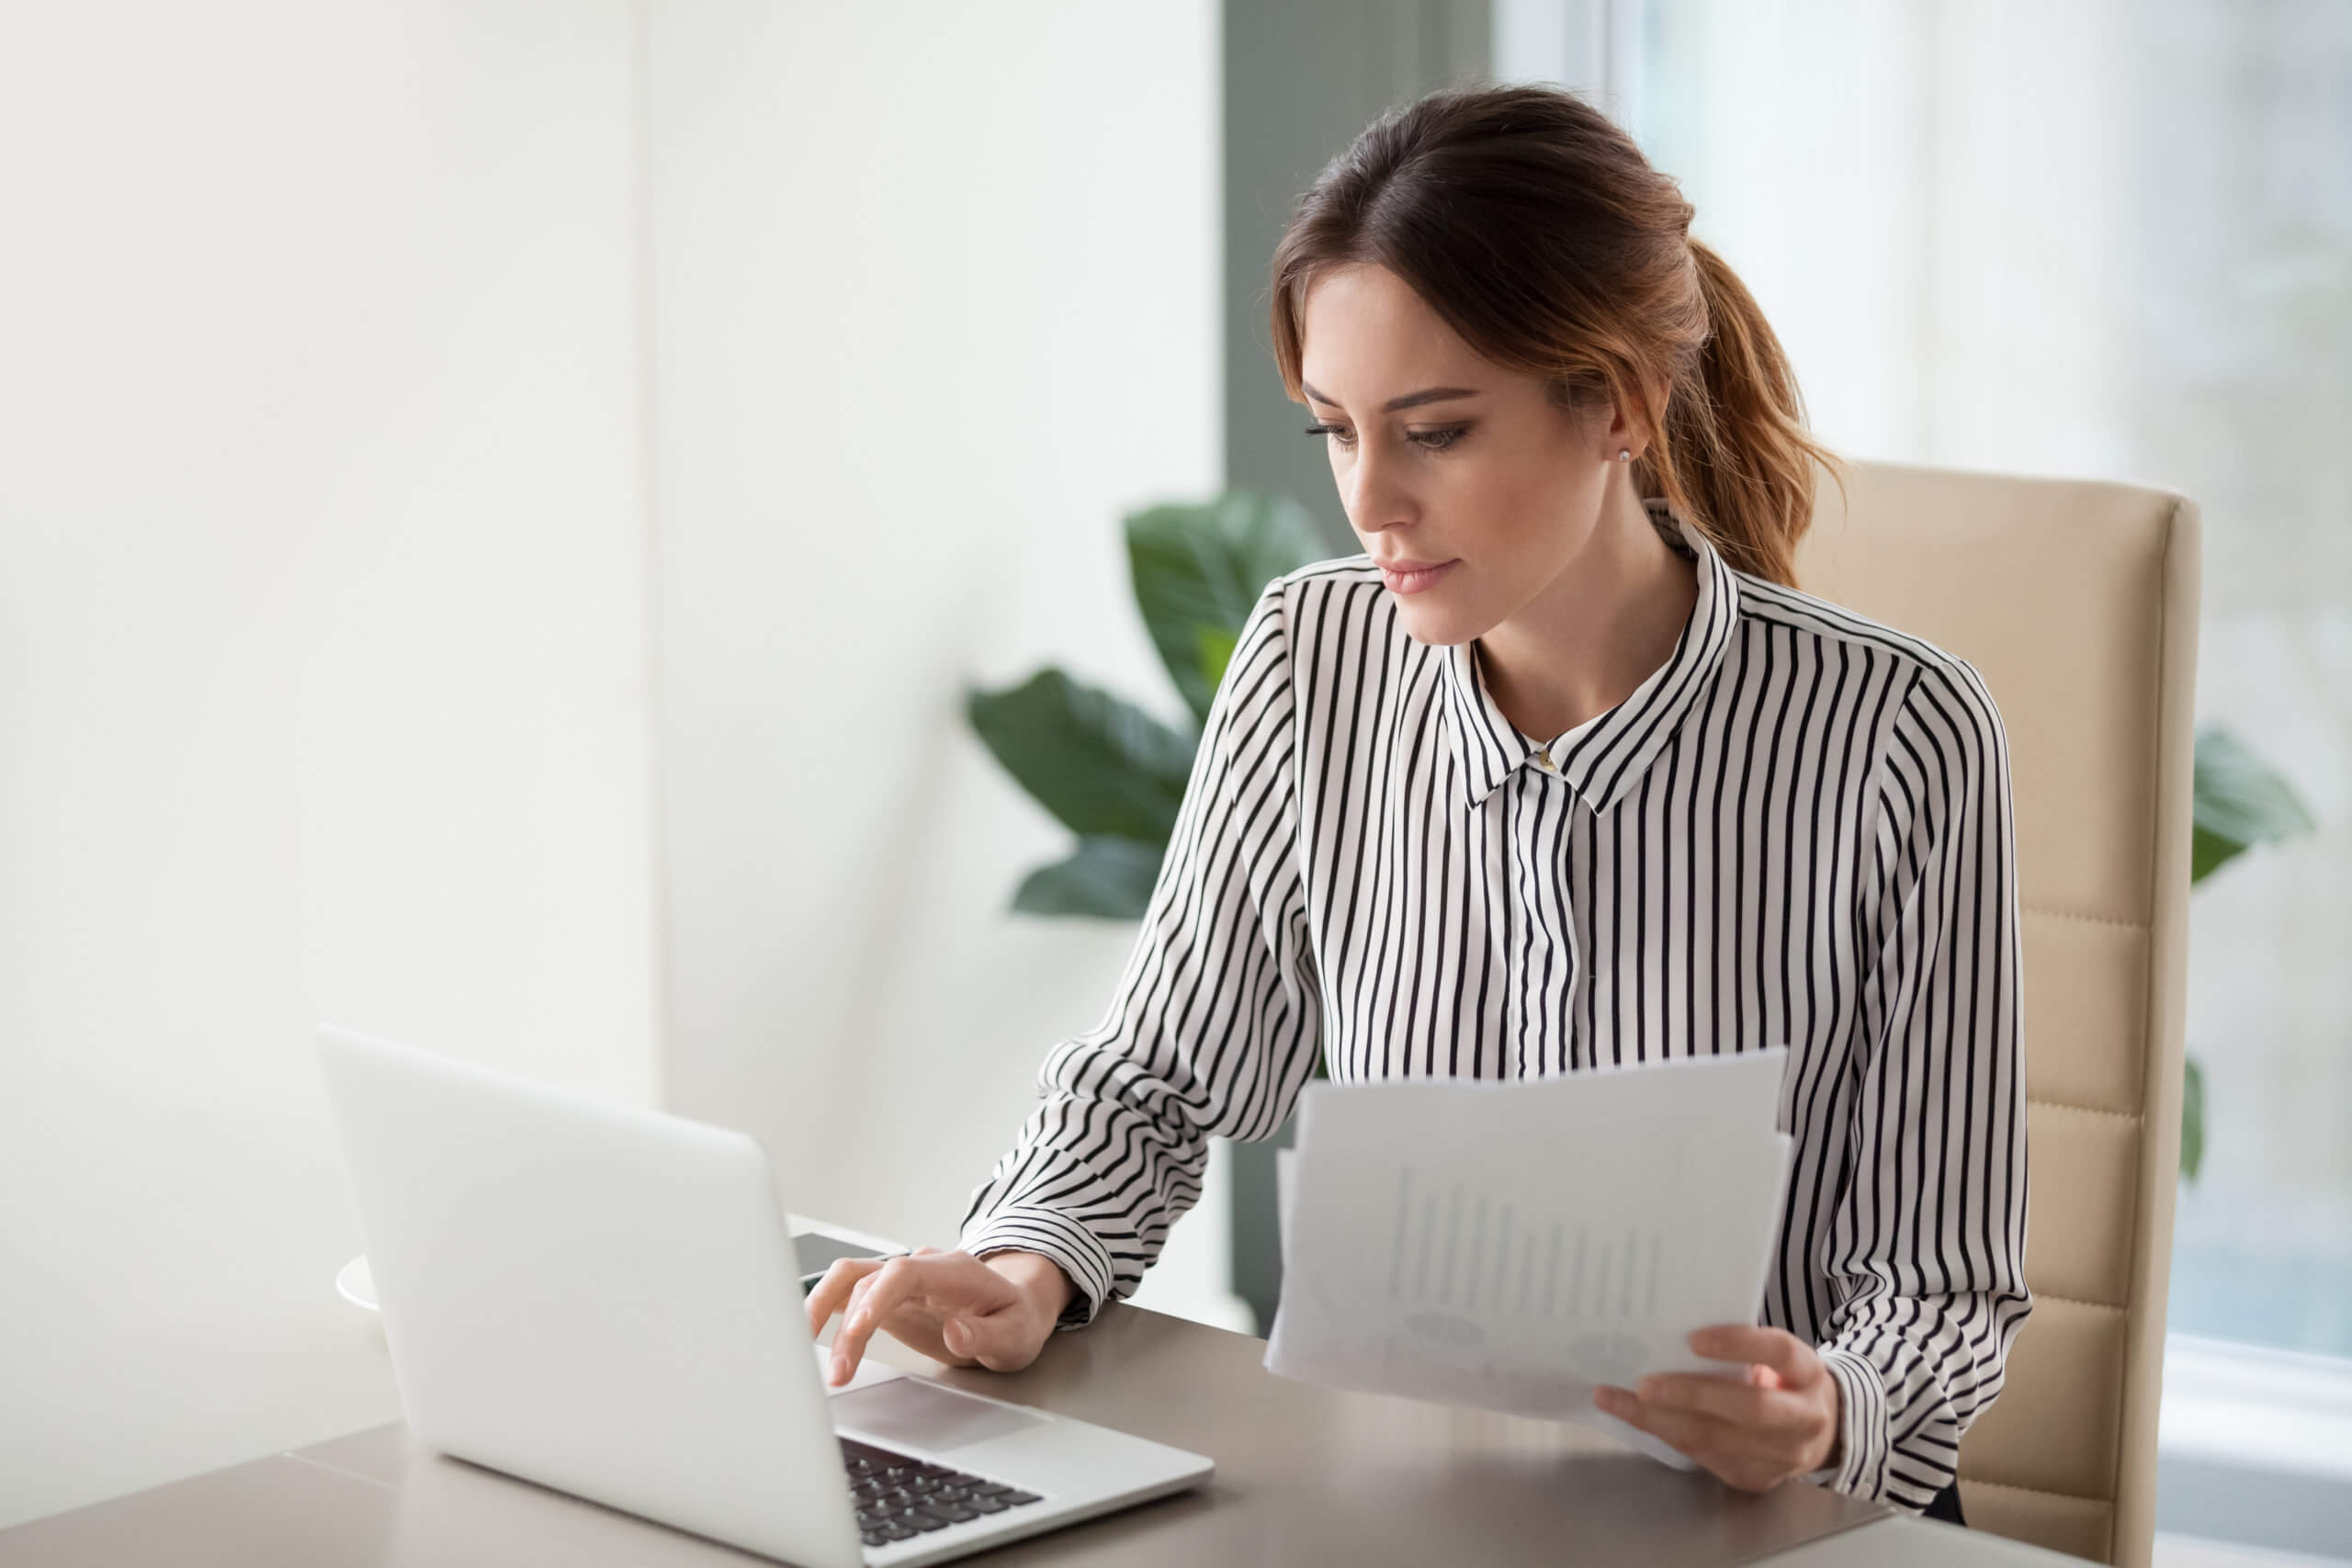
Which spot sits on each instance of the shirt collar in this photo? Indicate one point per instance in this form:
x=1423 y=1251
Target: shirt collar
x=1601 y=758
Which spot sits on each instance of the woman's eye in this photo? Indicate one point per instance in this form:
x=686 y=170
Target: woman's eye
x=1429 y=440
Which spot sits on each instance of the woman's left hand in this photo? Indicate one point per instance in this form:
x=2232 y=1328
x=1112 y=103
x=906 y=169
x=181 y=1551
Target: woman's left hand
x=1782 y=1420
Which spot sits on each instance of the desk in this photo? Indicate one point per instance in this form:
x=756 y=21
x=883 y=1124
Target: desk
x=1306 y=1475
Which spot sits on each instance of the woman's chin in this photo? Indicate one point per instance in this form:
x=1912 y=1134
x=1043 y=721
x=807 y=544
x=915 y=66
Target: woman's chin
x=1436 y=625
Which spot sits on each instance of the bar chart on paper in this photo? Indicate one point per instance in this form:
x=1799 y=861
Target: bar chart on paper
x=1460 y=1258
x=1450 y=1244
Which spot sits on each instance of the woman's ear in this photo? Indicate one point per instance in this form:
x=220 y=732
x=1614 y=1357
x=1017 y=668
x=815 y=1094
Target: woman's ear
x=1628 y=429
x=1622 y=424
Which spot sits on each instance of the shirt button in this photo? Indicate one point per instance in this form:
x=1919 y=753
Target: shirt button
x=1544 y=761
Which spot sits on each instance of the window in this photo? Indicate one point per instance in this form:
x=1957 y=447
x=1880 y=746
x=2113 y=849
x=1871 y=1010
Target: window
x=2089 y=238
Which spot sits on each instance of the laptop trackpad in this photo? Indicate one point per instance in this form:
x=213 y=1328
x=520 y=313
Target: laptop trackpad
x=909 y=1410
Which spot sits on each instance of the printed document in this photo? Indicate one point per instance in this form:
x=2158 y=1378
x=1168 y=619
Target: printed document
x=1512 y=1246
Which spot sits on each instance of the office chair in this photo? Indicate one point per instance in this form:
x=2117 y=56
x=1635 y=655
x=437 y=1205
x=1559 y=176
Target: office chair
x=2076 y=600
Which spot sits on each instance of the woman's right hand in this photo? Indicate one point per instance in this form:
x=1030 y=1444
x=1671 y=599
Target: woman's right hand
x=952 y=1306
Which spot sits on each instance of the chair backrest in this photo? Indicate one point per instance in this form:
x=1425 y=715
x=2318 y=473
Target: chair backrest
x=2076 y=600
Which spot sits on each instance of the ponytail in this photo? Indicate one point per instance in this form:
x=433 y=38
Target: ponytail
x=1734 y=456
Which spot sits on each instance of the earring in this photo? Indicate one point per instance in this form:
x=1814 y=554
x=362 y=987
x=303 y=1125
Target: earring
x=1624 y=455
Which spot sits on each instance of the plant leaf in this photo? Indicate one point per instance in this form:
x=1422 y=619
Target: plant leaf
x=1100 y=765
x=2192 y=1119
x=2209 y=852
x=2240 y=800
x=1203 y=565
x=1217 y=652
x=1108 y=878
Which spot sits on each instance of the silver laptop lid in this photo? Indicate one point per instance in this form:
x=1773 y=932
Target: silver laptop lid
x=600 y=1299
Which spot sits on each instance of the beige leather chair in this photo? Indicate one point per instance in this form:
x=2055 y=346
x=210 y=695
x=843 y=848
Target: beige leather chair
x=2078 y=603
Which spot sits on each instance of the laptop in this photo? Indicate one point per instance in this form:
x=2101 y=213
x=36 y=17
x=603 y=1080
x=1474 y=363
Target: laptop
x=606 y=1301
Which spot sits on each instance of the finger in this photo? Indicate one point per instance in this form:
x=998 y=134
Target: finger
x=1719 y=1449
x=1696 y=1436
x=1797 y=1362
x=1001 y=1341
x=1741 y=1404
x=857 y=1290
x=977 y=1339
x=944 y=1285
x=832 y=1291
x=876 y=1296
x=1765 y=1418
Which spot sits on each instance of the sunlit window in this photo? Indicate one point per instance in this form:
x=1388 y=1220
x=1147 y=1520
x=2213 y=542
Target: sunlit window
x=2122 y=253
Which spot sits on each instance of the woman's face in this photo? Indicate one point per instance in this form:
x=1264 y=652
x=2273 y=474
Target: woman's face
x=1478 y=474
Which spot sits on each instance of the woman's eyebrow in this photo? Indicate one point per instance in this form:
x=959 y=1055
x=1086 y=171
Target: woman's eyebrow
x=1410 y=401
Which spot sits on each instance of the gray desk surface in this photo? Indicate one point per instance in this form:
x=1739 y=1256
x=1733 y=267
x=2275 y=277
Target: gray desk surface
x=1304 y=1475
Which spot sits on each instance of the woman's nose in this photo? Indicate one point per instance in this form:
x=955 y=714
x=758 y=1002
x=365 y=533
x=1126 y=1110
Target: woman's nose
x=1374 y=495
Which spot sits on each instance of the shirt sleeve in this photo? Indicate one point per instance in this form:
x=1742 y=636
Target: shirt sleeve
x=1215 y=1025
x=1927 y=1260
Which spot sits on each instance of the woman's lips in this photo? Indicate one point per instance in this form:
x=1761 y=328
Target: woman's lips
x=1415 y=582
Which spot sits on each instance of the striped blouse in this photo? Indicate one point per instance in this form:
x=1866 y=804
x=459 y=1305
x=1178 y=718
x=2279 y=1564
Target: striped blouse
x=1795 y=830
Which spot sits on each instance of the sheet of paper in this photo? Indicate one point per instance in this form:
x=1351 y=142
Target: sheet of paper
x=1512 y=1245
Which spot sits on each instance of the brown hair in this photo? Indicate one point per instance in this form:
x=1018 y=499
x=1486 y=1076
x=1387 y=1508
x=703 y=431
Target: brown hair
x=1539 y=232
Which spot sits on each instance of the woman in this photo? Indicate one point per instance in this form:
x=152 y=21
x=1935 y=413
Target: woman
x=1563 y=771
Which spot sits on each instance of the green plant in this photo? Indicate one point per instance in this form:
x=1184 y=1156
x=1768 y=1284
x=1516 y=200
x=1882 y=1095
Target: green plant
x=1110 y=771
x=2240 y=801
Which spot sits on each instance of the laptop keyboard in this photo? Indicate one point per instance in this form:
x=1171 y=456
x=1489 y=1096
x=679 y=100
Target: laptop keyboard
x=899 y=1497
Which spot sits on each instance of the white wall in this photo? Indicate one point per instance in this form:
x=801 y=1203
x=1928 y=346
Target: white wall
x=935 y=291
x=334 y=622
x=320 y=668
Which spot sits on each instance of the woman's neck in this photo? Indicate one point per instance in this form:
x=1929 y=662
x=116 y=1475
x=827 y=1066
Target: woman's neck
x=1602 y=627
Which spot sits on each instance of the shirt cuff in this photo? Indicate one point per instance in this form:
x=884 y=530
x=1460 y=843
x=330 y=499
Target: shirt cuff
x=1861 y=1417
x=1049 y=1233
